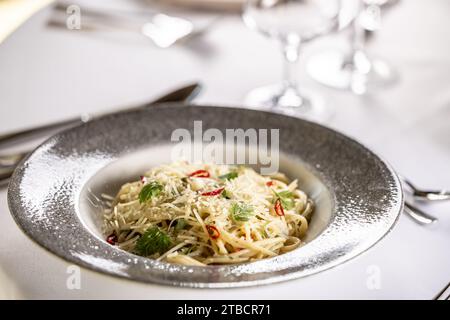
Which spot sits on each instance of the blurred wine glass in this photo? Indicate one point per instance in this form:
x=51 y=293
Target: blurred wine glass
x=355 y=70
x=292 y=23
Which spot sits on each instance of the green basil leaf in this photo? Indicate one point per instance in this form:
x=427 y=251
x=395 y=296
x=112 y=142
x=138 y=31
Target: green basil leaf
x=287 y=199
x=154 y=240
x=241 y=212
x=229 y=176
x=149 y=191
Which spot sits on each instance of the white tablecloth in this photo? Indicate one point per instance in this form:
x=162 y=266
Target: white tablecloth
x=48 y=74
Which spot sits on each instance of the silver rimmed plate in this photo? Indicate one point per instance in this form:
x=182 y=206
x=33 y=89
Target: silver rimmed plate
x=53 y=194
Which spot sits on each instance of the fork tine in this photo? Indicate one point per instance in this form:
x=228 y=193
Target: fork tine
x=419 y=215
x=431 y=195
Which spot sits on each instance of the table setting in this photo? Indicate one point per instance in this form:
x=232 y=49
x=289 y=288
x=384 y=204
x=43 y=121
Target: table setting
x=93 y=92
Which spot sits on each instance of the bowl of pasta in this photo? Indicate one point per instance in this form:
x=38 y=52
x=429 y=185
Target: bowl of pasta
x=116 y=195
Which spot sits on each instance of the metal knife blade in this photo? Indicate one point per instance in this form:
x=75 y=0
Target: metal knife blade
x=186 y=93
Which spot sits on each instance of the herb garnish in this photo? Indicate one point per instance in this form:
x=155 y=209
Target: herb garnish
x=153 y=241
x=229 y=176
x=287 y=199
x=149 y=191
x=241 y=212
x=225 y=194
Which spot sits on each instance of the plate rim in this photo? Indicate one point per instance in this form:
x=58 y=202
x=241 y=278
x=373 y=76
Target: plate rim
x=15 y=179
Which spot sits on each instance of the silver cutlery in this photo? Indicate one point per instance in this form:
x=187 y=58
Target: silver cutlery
x=418 y=215
x=420 y=194
x=186 y=93
x=444 y=294
x=9 y=162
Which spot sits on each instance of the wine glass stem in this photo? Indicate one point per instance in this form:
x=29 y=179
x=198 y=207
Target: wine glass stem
x=358 y=58
x=359 y=33
x=291 y=51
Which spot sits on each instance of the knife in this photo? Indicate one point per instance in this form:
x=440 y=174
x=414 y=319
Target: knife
x=9 y=163
x=184 y=94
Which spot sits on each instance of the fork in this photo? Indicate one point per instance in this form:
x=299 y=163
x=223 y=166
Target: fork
x=418 y=215
x=421 y=194
x=164 y=30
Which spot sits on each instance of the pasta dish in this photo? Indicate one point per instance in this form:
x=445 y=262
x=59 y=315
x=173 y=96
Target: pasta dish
x=206 y=214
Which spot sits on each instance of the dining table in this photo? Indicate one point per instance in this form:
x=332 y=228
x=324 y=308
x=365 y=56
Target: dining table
x=49 y=74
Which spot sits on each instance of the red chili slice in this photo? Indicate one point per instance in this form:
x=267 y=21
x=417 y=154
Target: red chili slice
x=213 y=193
x=269 y=183
x=213 y=232
x=199 y=174
x=143 y=179
x=112 y=239
x=279 y=208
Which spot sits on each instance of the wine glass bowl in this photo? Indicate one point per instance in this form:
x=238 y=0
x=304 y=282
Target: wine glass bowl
x=355 y=70
x=291 y=23
x=282 y=19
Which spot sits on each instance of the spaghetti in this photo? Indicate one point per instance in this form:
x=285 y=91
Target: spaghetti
x=208 y=214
